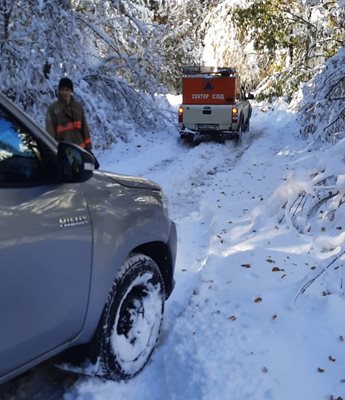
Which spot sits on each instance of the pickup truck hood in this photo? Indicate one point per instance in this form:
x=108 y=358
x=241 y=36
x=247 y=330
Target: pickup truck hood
x=132 y=181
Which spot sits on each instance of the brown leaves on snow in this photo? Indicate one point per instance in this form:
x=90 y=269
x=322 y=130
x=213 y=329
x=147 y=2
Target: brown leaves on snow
x=277 y=269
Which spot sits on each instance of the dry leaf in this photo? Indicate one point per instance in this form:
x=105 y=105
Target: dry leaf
x=264 y=370
x=331 y=358
x=277 y=269
x=246 y=265
x=232 y=318
x=258 y=300
x=274 y=316
x=320 y=370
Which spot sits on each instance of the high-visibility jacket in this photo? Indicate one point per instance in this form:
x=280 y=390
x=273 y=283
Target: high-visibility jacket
x=66 y=122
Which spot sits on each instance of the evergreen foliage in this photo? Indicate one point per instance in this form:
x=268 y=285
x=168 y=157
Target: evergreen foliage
x=292 y=39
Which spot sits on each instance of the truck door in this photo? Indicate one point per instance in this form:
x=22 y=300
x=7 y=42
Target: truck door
x=45 y=259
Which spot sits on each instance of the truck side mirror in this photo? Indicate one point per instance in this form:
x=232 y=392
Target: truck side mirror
x=74 y=163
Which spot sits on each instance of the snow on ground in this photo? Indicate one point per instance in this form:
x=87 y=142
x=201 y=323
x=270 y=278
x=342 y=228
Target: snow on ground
x=246 y=319
x=258 y=309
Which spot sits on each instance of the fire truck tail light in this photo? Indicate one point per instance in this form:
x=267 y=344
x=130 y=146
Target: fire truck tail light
x=234 y=114
x=180 y=114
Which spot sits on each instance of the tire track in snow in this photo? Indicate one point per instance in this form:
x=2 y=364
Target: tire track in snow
x=199 y=166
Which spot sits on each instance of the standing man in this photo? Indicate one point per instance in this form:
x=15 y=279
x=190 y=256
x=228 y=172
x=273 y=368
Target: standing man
x=65 y=119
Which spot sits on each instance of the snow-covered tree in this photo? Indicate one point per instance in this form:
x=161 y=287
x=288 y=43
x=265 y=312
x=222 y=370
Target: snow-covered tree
x=182 y=42
x=110 y=49
x=322 y=113
x=222 y=45
x=121 y=53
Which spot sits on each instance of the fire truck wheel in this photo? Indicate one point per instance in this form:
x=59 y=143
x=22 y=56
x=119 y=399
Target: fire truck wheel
x=239 y=135
x=247 y=127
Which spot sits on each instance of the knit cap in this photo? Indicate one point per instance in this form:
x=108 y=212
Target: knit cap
x=66 y=83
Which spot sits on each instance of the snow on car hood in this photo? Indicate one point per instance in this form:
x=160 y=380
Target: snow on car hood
x=132 y=181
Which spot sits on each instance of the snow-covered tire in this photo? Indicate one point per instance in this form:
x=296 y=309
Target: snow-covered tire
x=239 y=135
x=132 y=318
x=247 y=127
x=186 y=140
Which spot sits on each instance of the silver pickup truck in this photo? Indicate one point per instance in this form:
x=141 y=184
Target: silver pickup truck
x=214 y=104
x=87 y=257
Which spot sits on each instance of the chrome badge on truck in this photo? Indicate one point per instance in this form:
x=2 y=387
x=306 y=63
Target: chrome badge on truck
x=73 y=221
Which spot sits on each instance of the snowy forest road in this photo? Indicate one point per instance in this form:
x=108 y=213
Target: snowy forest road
x=185 y=172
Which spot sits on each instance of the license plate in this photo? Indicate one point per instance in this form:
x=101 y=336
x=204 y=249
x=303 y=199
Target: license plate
x=211 y=127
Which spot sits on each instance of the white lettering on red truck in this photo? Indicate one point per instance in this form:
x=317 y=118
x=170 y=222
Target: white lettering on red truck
x=218 y=96
x=199 y=96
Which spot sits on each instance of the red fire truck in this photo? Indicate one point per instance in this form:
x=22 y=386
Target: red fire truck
x=213 y=104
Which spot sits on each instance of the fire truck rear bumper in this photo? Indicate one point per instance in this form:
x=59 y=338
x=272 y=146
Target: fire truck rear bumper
x=190 y=134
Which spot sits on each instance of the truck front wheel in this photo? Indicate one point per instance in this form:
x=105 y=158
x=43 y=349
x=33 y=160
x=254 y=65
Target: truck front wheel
x=132 y=318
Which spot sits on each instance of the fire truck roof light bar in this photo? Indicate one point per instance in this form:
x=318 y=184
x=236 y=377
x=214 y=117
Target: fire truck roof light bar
x=199 y=69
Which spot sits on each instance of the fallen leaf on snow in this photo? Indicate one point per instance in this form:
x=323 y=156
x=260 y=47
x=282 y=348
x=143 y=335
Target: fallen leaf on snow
x=277 y=269
x=258 y=300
